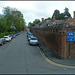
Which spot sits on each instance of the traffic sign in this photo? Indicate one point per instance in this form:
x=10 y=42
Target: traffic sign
x=70 y=36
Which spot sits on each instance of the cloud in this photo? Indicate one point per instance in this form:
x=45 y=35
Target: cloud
x=0 y=10
x=38 y=9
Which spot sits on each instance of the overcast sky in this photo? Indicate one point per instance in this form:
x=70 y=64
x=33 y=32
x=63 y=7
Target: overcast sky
x=32 y=10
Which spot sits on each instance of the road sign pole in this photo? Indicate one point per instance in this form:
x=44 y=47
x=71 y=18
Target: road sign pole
x=70 y=50
x=70 y=37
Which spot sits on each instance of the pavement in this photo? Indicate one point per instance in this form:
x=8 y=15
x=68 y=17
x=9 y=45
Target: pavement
x=53 y=57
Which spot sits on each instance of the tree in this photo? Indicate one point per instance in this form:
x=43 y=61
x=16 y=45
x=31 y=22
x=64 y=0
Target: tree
x=14 y=18
x=36 y=21
x=18 y=20
x=29 y=24
x=48 y=18
x=66 y=12
x=8 y=16
x=61 y=16
x=3 y=27
x=56 y=14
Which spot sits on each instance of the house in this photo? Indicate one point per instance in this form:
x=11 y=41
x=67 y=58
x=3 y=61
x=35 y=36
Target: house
x=46 y=23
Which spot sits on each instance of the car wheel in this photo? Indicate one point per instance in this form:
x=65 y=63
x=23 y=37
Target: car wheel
x=2 y=44
x=10 y=40
x=30 y=44
x=37 y=44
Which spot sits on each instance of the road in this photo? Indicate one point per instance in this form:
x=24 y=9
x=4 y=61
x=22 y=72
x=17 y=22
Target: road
x=18 y=57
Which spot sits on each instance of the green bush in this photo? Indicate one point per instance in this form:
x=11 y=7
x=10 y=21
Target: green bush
x=6 y=33
x=2 y=35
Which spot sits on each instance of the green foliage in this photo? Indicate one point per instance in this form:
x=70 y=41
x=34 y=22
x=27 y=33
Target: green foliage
x=48 y=18
x=11 y=21
x=1 y=35
x=14 y=18
x=6 y=33
x=30 y=24
x=56 y=14
x=36 y=21
x=66 y=12
x=3 y=23
x=59 y=15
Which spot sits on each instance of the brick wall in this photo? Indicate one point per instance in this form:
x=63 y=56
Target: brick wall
x=55 y=39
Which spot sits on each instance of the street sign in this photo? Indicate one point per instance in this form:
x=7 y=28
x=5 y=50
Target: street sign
x=70 y=36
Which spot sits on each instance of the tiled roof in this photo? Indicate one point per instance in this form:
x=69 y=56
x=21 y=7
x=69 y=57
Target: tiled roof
x=50 y=23
x=47 y=23
x=60 y=22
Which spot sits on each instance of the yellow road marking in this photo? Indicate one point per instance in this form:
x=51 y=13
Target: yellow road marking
x=51 y=62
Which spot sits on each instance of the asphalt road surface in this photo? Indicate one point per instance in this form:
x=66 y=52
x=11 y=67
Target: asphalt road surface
x=18 y=57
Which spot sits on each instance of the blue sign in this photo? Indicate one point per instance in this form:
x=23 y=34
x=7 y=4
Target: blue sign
x=70 y=36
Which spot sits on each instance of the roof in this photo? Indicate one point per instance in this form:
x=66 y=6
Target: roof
x=50 y=23
x=58 y=22
x=47 y=23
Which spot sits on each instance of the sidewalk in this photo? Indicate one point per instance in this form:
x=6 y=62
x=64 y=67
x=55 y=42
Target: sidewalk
x=53 y=57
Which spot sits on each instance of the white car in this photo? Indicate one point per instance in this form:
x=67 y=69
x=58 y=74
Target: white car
x=7 y=38
x=33 y=41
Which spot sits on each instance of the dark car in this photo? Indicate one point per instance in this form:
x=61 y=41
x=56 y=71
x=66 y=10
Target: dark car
x=2 y=41
x=11 y=36
x=14 y=36
x=29 y=33
x=17 y=33
x=29 y=36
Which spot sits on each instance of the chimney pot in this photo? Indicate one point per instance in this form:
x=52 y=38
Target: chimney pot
x=53 y=18
x=42 y=19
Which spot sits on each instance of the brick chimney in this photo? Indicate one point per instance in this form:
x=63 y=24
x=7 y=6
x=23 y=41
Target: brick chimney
x=53 y=18
x=74 y=14
x=42 y=19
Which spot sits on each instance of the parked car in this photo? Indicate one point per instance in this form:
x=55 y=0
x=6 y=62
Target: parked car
x=33 y=41
x=2 y=41
x=17 y=33
x=29 y=36
x=14 y=36
x=28 y=33
x=7 y=38
x=11 y=36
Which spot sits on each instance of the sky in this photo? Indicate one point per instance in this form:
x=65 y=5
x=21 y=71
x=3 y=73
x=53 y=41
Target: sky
x=32 y=10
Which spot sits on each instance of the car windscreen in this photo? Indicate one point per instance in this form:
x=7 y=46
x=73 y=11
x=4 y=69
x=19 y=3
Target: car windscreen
x=5 y=37
x=30 y=34
x=33 y=38
x=10 y=35
x=0 y=39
